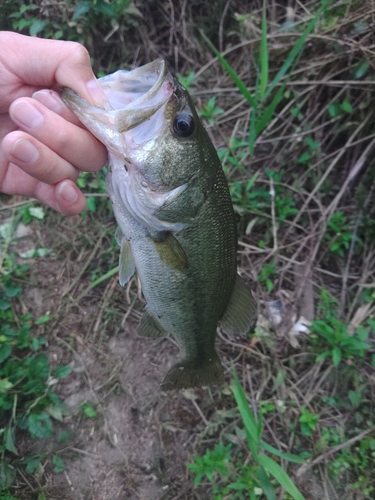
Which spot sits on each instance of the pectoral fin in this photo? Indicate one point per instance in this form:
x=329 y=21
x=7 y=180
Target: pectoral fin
x=126 y=262
x=170 y=251
x=150 y=327
x=241 y=313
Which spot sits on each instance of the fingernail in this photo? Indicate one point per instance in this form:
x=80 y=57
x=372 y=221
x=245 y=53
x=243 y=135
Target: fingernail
x=96 y=92
x=49 y=99
x=26 y=114
x=68 y=192
x=25 y=151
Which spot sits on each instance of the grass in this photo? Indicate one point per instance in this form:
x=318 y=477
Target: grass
x=288 y=104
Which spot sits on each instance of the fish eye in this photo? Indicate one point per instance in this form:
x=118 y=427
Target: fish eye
x=183 y=125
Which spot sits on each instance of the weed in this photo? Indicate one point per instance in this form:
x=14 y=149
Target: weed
x=248 y=198
x=230 y=477
x=312 y=153
x=94 y=185
x=251 y=198
x=336 y=108
x=284 y=203
x=262 y=109
x=268 y=271
x=308 y=422
x=88 y=409
x=227 y=475
x=339 y=234
x=6 y=496
x=210 y=111
x=27 y=400
x=187 y=81
x=338 y=343
x=355 y=460
x=79 y=18
x=233 y=156
x=58 y=464
x=212 y=463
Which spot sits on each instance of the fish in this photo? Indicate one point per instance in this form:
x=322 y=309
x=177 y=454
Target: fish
x=176 y=223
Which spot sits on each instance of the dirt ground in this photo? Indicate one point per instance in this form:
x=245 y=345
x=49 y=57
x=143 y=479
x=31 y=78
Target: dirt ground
x=130 y=450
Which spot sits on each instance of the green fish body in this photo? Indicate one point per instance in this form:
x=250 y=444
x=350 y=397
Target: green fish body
x=176 y=222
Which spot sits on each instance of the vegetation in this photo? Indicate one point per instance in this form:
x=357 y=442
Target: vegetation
x=27 y=400
x=286 y=94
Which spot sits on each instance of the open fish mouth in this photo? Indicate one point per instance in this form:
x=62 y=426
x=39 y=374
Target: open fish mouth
x=133 y=97
x=138 y=94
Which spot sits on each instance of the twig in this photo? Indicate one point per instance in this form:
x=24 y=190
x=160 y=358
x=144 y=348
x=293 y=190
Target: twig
x=104 y=303
x=129 y=310
x=68 y=481
x=199 y=412
x=18 y=204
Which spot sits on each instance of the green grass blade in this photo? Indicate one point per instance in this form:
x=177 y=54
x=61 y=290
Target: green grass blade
x=286 y=456
x=280 y=475
x=95 y=283
x=296 y=50
x=267 y=114
x=251 y=427
x=263 y=55
x=265 y=483
x=237 y=80
x=253 y=128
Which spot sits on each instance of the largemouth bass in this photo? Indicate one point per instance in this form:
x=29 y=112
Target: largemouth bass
x=177 y=226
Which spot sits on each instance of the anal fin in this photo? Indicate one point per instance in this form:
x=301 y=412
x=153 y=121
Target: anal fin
x=240 y=315
x=150 y=327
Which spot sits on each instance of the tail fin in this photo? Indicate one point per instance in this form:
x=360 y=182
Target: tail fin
x=194 y=373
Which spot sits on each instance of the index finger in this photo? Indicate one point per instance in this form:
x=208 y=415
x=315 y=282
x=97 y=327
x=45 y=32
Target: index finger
x=50 y=63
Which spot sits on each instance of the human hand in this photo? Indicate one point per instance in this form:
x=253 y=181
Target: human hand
x=43 y=146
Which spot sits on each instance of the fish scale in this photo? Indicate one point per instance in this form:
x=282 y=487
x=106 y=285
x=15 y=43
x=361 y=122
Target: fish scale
x=176 y=220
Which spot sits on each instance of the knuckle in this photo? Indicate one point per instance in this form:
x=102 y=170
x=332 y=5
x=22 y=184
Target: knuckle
x=45 y=169
x=62 y=139
x=79 y=55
